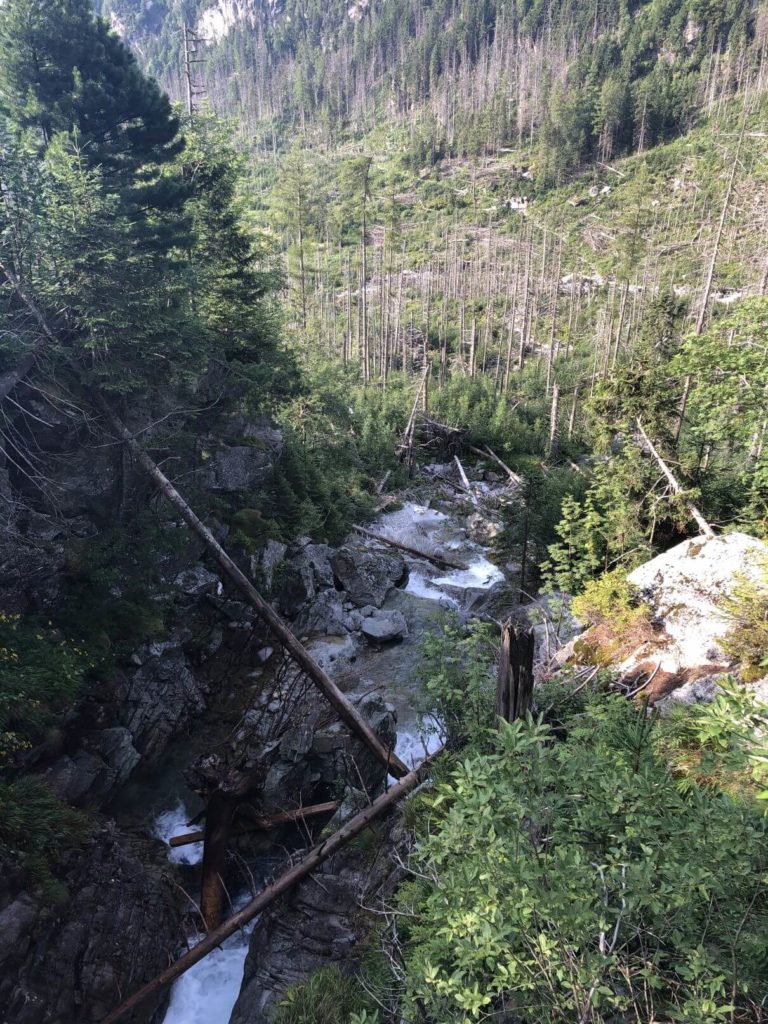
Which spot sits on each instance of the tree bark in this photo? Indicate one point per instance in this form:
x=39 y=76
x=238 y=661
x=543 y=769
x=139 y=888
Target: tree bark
x=514 y=693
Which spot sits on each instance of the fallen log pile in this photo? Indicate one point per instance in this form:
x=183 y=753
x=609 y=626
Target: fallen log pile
x=279 y=887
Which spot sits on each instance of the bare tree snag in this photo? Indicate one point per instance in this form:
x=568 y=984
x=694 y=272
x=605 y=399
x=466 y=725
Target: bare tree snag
x=441 y=563
x=514 y=692
x=465 y=480
x=348 y=714
x=282 y=885
x=701 y=522
x=405 y=448
x=487 y=452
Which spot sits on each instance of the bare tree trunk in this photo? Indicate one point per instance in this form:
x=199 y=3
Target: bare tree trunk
x=701 y=522
x=710 y=275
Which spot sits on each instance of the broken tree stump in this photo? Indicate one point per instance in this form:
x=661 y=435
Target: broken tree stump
x=514 y=691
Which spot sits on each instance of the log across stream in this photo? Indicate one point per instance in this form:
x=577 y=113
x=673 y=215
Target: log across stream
x=208 y=991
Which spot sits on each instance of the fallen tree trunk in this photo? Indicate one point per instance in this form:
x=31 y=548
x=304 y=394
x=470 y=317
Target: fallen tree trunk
x=348 y=714
x=465 y=479
x=486 y=452
x=263 y=824
x=701 y=522
x=441 y=563
x=282 y=885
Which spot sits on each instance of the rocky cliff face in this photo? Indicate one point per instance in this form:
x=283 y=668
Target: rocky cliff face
x=72 y=965
x=121 y=923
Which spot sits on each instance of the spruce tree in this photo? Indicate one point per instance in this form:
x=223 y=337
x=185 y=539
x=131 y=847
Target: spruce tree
x=62 y=69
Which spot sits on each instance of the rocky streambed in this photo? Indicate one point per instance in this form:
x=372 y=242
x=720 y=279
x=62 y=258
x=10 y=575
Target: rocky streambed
x=215 y=707
x=369 y=636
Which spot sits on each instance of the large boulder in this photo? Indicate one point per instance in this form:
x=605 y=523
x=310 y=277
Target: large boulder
x=246 y=462
x=323 y=617
x=307 y=574
x=367 y=577
x=160 y=697
x=687 y=589
x=382 y=627
x=87 y=777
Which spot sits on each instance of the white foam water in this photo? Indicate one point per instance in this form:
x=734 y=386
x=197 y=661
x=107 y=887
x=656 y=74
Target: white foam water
x=480 y=574
x=413 y=747
x=175 y=823
x=207 y=992
x=421 y=586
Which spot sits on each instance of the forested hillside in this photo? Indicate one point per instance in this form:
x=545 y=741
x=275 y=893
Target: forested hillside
x=580 y=81
x=362 y=365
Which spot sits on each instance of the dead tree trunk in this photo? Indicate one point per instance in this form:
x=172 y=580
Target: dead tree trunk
x=218 y=823
x=701 y=522
x=278 y=888
x=441 y=563
x=514 y=692
x=263 y=824
x=348 y=714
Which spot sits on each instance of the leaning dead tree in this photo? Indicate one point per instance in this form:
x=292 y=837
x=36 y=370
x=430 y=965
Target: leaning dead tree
x=282 y=885
x=438 y=560
x=701 y=522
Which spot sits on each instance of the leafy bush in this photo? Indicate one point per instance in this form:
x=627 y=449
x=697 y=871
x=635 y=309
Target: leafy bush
x=723 y=744
x=458 y=685
x=619 y=621
x=577 y=881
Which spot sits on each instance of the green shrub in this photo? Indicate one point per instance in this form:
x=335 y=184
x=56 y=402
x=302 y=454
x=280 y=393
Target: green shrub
x=577 y=881
x=326 y=997
x=458 y=688
x=747 y=640
x=41 y=675
x=619 y=621
x=36 y=829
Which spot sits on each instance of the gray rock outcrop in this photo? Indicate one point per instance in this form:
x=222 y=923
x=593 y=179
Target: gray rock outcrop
x=367 y=577
x=382 y=627
x=119 y=929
